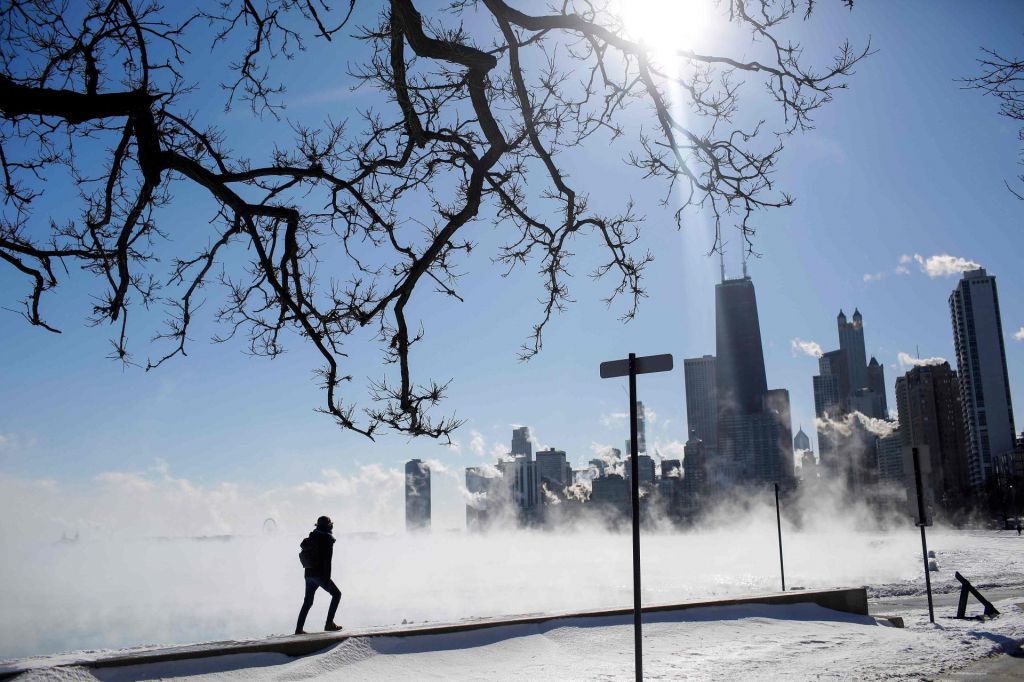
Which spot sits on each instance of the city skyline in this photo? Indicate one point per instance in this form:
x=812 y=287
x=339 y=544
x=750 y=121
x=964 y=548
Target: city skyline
x=528 y=444
x=865 y=452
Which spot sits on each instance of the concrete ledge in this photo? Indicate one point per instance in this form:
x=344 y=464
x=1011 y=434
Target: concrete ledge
x=847 y=600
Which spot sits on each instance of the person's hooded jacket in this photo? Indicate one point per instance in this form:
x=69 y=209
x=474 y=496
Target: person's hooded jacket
x=324 y=542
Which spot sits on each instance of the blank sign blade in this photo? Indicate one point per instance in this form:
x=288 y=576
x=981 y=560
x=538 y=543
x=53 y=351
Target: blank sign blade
x=644 y=365
x=614 y=368
x=654 y=363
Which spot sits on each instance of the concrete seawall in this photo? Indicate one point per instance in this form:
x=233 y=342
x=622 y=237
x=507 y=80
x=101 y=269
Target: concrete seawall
x=848 y=600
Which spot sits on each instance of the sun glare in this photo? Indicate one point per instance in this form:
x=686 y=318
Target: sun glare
x=666 y=26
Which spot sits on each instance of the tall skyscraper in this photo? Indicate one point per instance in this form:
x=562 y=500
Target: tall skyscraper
x=876 y=382
x=612 y=492
x=417 y=495
x=831 y=401
x=851 y=340
x=670 y=485
x=755 y=437
x=984 y=383
x=846 y=384
x=836 y=363
x=641 y=430
x=702 y=399
x=928 y=400
x=645 y=465
x=523 y=486
x=801 y=441
x=521 y=444
x=890 y=458
x=740 y=374
x=777 y=462
x=826 y=395
x=695 y=469
x=487 y=492
x=641 y=427
x=553 y=469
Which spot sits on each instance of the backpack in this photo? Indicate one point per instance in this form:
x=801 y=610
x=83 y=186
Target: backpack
x=309 y=556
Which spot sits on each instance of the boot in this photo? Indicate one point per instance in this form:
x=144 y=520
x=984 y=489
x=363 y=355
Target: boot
x=332 y=627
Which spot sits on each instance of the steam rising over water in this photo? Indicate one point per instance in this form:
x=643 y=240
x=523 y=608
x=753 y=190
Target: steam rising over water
x=113 y=593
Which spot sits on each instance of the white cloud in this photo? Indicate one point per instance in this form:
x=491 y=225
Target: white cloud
x=13 y=442
x=1019 y=334
x=902 y=270
x=673 y=449
x=873 y=276
x=844 y=426
x=907 y=360
x=336 y=484
x=606 y=454
x=477 y=443
x=156 y=503
x=478 y=446
x=436 y=466
x=942 y=265
x=124 y=482
x=614 y=419
x=811 y=348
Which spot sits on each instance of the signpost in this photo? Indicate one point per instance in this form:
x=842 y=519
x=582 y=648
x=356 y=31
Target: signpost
x=632 y=366
x=778 y=521
x=922 y=521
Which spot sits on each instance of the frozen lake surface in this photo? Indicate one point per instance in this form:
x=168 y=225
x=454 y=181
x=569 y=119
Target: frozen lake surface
x=111 y=594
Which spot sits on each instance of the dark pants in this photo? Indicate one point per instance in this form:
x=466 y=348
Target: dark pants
x=311 y=585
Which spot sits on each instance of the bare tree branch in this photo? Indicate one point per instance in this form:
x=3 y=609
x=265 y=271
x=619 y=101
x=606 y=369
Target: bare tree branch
x=467 y=125
x=1003 y=78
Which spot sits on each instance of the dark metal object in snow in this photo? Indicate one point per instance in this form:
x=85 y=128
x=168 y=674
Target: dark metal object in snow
x=922 y=521
x=966 y=589
x=778 y=521
x=617 y=368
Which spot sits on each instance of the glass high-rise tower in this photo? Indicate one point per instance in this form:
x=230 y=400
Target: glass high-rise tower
x=702 y=399
x=755 y=438
x=851 y=340
x=981 y=364
x=521 y=444
x=740 y=374
x=417 y=495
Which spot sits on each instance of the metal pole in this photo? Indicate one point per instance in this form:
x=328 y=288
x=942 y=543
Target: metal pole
x=778 y=521
x=924 y=540
x=635 y=469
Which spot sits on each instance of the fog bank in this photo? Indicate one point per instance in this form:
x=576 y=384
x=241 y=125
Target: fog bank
x=112 y=593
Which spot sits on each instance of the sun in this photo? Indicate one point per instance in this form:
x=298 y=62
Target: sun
x=666 y=26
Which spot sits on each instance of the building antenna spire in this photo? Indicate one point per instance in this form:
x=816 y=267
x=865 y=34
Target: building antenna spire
x=721 y=259
x=744 y=263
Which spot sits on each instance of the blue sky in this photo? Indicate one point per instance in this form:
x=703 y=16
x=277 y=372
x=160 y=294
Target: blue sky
x=903 y=163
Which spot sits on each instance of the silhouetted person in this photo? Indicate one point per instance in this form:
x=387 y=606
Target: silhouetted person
x=320 y=545
x=1018 y=527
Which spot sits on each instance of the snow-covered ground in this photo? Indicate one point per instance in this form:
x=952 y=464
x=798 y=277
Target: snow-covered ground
x=986 y=558
x=91 y=596
x=796 y=642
